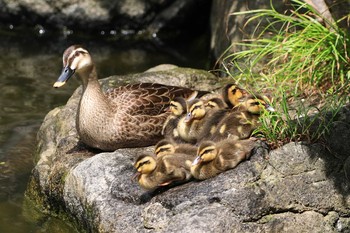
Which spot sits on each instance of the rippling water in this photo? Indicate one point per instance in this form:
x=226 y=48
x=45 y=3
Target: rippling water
x=28 y=68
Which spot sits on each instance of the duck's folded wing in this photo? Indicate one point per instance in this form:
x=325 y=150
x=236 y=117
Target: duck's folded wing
x=146 y=98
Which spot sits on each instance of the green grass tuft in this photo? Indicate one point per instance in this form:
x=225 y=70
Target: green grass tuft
x=302 y=63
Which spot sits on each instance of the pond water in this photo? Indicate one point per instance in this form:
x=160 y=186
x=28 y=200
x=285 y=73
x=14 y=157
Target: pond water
x=29 y=66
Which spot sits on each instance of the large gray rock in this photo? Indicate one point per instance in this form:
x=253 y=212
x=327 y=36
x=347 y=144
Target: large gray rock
x=296 y=188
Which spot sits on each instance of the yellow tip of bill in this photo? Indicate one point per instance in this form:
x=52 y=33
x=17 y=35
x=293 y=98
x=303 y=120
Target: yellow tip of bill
x=58 y=84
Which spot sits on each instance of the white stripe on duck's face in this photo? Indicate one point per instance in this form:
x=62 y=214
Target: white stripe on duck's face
x=78 y=59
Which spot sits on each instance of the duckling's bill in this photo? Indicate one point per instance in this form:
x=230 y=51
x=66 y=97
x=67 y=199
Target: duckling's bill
x=67 y=72
x=136 y=176
x=196 y=161
x=269 y=108
x=188 y=117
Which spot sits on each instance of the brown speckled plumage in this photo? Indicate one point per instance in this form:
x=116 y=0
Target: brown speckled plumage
x=126 y=116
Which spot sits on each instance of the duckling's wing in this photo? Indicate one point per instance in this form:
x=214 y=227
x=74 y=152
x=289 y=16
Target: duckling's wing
x=145 y=98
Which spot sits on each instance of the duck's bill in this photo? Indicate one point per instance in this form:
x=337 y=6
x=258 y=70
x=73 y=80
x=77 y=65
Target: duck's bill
x=196 y=161
x=67 y=72
x=165 y=183
x=58 y=84
x=136 y=176
x=188 y=117
x=269 y=108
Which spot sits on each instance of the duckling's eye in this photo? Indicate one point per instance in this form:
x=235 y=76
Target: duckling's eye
x=255 y=103
x=146 y=162
x=195 y=107
x=207 y=151
x=233 y=91
x=163 y=149
x=172 y=105
x=211 y=105
x=143 y=163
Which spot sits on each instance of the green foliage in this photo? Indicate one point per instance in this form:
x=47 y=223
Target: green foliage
x=302 y=63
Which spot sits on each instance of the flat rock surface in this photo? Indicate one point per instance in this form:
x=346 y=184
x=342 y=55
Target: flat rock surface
x=296 y=188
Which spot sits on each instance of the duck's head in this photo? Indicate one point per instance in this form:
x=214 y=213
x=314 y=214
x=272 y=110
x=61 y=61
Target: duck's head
x=178 y=106
x=195 y=110
x=257 y=104
x=215 y=103
x=206 y=152
x=76 y=59
x=164 y=147
x=232 y=94
x=145 y=164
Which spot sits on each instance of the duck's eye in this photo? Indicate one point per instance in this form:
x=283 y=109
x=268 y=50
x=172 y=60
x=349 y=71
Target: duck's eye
x=195 y=107
x=146 y=162
x=233 y=91
x=143 y=163
x=76 y=54
x=163 y=149
x=210 y=105
x=207 y=151
x=255 y=103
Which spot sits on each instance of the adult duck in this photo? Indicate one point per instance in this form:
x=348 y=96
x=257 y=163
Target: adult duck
x=126 y=116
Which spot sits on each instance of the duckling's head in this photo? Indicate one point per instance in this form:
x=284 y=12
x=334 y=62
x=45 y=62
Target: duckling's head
x=75 y=59
x=195 y=110
x=164 y=147
x=145 y=164
x=178 y=106
x=206 y=152
x=257 y=104
x=232 y=94
x=215 y=103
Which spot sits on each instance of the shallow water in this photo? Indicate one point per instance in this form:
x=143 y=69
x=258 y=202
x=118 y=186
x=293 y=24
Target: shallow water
x=28 y=68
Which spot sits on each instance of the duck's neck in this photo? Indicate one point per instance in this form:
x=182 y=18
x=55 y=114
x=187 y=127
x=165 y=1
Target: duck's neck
x=92 y=100
x=88 y=76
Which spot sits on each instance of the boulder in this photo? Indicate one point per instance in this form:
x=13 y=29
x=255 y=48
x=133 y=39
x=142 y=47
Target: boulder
x=296 y=188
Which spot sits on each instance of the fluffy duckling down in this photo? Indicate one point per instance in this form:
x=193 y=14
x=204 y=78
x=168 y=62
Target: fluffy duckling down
x=214 y=158
x=166 y=147
x=155 y=172
x=178 y=109
x=241 y=121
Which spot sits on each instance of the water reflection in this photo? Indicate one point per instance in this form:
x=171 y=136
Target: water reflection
x=28 y=68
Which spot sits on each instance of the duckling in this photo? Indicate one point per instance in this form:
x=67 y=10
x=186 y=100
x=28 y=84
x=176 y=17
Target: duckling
x=165 y=147
x=126 y=116
x=215 y=103
x=155 y=172
x=189 y=127
x=178 y=108
x=217 y=109
x=231 y=97
x=240 y=123
x=232 y=93
x=214 y=158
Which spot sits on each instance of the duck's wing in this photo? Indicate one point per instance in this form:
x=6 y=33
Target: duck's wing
x=146 y=98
